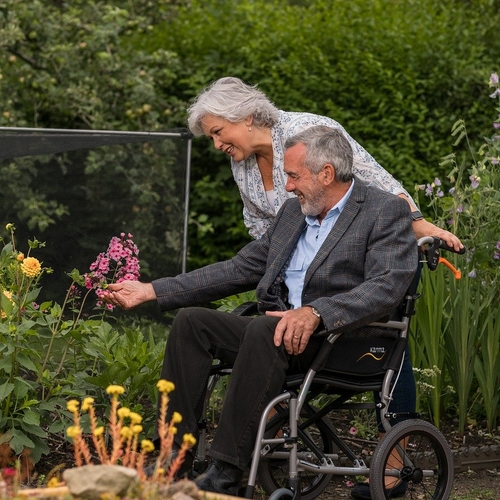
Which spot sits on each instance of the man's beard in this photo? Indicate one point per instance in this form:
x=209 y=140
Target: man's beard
x=314 y=204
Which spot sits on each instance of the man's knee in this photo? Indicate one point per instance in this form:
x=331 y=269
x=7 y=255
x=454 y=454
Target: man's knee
x=260 y=331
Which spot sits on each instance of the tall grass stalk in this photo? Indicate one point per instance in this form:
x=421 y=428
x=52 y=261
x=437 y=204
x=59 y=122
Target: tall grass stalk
x=427 y=344
x=487 y=362
x=461 y=335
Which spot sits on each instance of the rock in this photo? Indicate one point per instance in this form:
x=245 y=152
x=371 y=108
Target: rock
x=180 y=490
x=91 y=482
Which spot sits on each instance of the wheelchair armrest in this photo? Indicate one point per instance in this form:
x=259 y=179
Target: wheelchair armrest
x=246 y=309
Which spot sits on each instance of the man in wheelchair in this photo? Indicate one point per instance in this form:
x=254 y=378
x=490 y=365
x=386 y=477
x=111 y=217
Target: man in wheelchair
x=339 y=255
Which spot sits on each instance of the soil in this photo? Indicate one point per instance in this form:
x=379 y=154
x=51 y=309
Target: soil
x=480 y=484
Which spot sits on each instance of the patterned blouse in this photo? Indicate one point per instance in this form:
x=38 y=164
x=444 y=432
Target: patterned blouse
x=257 y=210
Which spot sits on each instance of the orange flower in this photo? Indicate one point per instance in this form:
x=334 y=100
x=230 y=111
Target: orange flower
x=31 y=267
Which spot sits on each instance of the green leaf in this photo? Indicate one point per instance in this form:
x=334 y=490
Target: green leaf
x=5 y=390
x=31 y=418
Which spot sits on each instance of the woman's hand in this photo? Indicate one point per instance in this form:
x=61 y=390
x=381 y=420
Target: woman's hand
x=425 y=228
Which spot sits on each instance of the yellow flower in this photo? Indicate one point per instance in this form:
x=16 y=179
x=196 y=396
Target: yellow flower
x=20 y=256
x=165 y=386
x=115 y=390
x=123 y=412
x=137 y=429
x=73 y=431
x=147 y=445
x=99 y=431
x=135 y=418
x=176 y=417
x=31 y=267
x=72 y=405
x=10 y=227
x=189 y=439
x=53 y=482
x=173 y=430
x=125 y=432
x=87 y=403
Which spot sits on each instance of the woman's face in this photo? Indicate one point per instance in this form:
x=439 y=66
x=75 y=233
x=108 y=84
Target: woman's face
x=234 y=139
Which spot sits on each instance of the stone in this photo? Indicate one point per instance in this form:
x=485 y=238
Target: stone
x=90 y=482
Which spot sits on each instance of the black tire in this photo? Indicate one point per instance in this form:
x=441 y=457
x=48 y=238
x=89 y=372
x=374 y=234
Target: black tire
x=281 y=493
x=273 y=473
x=425 y=464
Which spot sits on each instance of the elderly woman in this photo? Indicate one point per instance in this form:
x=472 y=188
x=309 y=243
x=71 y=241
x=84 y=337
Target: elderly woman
x=245 y=124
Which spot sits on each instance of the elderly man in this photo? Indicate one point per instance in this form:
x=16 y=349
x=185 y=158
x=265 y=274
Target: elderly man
x=338 y=256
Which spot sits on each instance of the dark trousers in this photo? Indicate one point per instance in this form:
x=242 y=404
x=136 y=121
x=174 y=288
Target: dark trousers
x=198 y=336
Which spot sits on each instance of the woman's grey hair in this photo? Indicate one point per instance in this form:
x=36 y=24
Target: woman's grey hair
x=325 y=145
x=232 y=99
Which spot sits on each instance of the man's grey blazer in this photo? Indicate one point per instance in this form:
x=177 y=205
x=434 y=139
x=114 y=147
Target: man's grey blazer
x=359 y=275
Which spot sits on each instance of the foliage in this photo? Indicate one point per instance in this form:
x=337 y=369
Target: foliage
x=471 y=209
x=69 y=66
x=394 y=74
x=51 y=351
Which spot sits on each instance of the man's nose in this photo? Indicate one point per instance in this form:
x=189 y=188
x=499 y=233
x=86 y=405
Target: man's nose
x=289 y=186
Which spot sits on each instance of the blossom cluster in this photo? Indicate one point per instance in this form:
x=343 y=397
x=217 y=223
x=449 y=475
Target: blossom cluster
x=124 y=428
x=119 y=263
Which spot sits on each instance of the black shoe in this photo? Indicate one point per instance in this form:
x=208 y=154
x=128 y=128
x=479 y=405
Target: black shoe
x=185 y=470
x=361 y=491
x=220 y=477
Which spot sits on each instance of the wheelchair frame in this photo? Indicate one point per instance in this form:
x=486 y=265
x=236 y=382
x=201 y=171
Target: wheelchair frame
x=426 y=461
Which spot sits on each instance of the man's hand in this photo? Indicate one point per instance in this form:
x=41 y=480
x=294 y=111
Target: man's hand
x=295 y=328
x=129 y=294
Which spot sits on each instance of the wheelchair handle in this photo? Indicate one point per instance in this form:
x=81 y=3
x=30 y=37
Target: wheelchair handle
x=430 y=247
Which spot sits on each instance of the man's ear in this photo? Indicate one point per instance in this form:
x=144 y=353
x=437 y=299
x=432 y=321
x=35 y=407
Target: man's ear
x=328 y=174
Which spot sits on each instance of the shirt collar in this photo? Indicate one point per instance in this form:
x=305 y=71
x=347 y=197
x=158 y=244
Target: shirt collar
x=312 y=220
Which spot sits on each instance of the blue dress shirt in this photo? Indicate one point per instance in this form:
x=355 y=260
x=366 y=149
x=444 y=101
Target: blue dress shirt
x=309 y=243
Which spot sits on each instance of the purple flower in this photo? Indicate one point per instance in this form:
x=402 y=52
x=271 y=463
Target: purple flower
x=498 y=245
x=495 y=94
x=496 y=255
x=439 y=193
x=472 y=274
x=494 y=161
x=437 y=182
x=496 y=125
x=460 y=209
x=493 y=79
x=474 y=180
x=452 y=191
x=428 y=190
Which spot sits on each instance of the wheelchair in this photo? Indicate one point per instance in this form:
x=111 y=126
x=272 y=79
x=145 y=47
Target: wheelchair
x=298 y=450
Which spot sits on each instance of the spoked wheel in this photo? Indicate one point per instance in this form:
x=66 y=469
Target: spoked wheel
x=419 y=459
x=273 y=468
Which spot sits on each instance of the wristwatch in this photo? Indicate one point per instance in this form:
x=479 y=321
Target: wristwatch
x=417 y=215
x=315 y=312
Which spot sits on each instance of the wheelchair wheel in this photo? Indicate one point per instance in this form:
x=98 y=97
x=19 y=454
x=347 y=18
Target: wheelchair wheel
x=273 y=472
x=416 y=453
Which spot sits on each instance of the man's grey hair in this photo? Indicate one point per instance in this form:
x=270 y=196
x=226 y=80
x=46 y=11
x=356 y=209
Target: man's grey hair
x=232 y=99
x=325 y=145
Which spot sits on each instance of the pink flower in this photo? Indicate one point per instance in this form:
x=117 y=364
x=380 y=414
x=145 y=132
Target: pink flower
x=120 y=261
x=353 y=431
